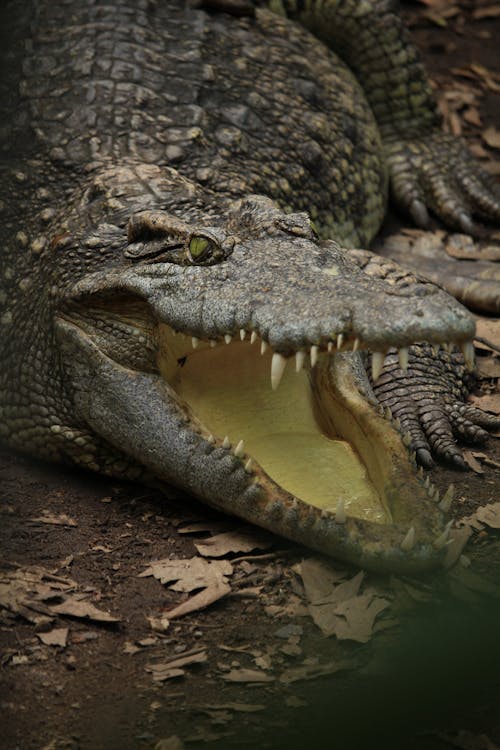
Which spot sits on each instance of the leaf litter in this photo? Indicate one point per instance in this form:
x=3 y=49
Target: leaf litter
x=336 y=604
x=38 y=595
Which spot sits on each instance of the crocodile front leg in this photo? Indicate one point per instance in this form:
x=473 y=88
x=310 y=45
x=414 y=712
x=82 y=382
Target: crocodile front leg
x=429 y=170
x=428 y=397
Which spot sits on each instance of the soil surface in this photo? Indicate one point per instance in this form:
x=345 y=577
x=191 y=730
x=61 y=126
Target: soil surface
x=93 y=657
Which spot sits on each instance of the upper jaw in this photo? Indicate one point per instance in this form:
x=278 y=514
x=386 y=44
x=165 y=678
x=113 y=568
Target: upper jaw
x=294 y=294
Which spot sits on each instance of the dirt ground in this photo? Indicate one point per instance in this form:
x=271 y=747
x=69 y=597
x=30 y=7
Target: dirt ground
x=90 y=659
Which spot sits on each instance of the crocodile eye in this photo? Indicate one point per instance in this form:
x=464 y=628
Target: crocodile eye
x=200 y=248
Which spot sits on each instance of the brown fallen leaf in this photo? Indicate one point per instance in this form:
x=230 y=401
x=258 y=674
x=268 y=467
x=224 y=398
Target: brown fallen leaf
x=233 y=541
x=55 y=637
x=73 y=607
x=488 y=367
x=312 y=672
x=247 y=675
x=170 y=743
x=472 y=462
x=50 y=518
x=489 y=515
x=319 y=578
x=356 y=617
x=203 y=599
x=189 y=574
x=488 y=328
x=487 y=403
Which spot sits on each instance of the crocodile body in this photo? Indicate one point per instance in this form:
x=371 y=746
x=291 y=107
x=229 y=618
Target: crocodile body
x=136 y=257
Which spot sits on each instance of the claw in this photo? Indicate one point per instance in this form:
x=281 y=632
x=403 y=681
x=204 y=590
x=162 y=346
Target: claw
x=459 y=462
x=419 y=213
x=424 y=458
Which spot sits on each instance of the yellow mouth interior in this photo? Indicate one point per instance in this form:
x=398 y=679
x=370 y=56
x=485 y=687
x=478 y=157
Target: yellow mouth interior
x=228 y=388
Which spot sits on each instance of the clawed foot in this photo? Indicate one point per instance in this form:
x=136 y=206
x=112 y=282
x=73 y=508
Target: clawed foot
x=439 y=174
x=429 y=402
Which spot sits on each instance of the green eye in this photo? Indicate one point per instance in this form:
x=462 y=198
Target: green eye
x=198 y=247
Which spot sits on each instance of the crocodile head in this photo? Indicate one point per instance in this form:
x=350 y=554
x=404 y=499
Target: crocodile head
x=220 y=358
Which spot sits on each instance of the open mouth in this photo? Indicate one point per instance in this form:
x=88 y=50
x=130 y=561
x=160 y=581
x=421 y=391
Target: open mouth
x=304 y=433
x=271 y=412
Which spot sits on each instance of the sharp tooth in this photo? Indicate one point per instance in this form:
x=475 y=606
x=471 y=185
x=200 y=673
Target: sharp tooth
x=195 y=341
x=295 y=503
x=330 y=347
x=324 y=513
x=397 y=424
x=407 y=439
x=355 y=346
x=388 y=413
x=299 y=360
x=420 y=470
x=278 y=364
x=340 y=515
x=447 y=500
x=248 y=466
x=263 y=346
x=226 y=443
x=427 y=482
x=240 y=449
x=442 y=539
x=253 y=337
x=377 y=364
x=448 y=346
x=435 y=497
x=467 y=348
x=213 y=343
x=340 y=341
x=314 y=355
x=409 y=541
x=228 y=338
x=210 y=439
x=243 y=333
x=403 y=358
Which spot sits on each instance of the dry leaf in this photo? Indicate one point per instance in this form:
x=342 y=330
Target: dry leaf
x=247 y=675
x=489 y=515
x=488 y=328
x=472 y=462
x=50 y=518
x=189 y=574
x=232 y=541
x=312 y=672
x=487 y=403
x=356 y=617
x=170 y=743
x=208 y=596
x=55 y=637
x=488 y=367
x=73 y=607
x=319 y=578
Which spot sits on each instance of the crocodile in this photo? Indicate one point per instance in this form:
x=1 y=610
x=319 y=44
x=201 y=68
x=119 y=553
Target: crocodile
x=183 y=192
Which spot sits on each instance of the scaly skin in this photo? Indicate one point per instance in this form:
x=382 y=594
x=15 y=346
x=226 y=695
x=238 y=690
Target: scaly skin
x=134 y=134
